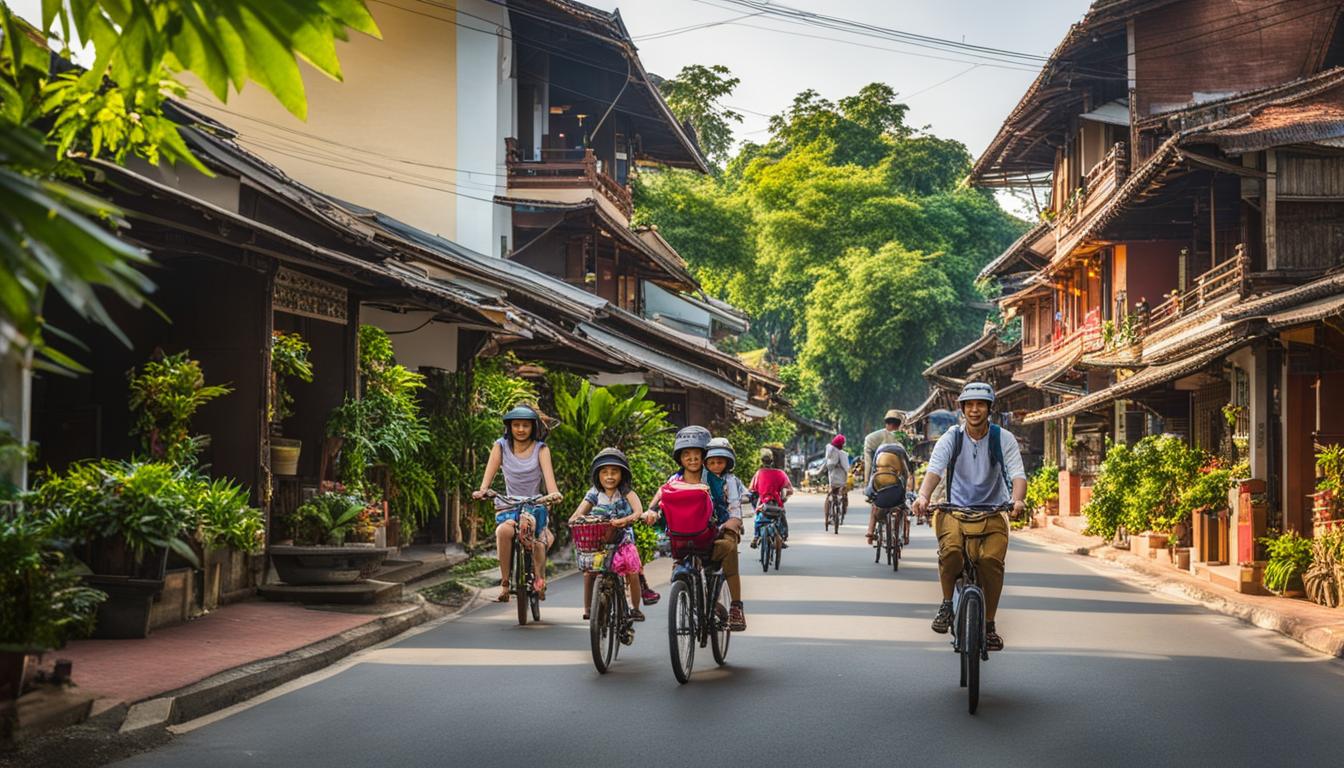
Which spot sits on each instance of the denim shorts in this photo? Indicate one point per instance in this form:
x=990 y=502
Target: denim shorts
x=537 y=511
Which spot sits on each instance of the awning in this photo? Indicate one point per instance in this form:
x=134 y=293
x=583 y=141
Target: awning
x=1149 y=377
x=961 y=354
x=1112 y=113
x=642 y=357
x=1042 y=376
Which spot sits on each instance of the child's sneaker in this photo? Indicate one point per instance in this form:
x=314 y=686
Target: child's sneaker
x=650 y=597
x=755 y=541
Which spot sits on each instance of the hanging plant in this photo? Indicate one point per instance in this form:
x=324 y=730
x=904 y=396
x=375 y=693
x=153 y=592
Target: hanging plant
x=165 y=395
x=289 y=359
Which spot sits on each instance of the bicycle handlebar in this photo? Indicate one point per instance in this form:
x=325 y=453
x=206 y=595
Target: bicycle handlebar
x=519 y=501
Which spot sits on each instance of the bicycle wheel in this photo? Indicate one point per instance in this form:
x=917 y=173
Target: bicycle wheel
x=681 y=630
x=974 y=608
x=826 y=513
x=839 y=513
x=522 y=579
x=601 y=631
x=534 y=599
x=879 y=540
x=897 y=546
x=720 y=633
x=779 y=548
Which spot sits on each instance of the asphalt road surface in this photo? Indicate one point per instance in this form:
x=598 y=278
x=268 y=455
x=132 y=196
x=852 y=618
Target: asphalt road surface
x=838 y=668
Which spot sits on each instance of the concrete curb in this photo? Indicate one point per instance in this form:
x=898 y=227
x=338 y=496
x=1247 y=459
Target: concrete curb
x=1324 y=637
x=244 y=682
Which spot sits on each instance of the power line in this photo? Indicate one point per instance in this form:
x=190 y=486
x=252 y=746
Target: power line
x=666 y=33
x=797 y=15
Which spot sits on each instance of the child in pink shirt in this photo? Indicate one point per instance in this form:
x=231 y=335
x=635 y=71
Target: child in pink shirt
x=770 y=486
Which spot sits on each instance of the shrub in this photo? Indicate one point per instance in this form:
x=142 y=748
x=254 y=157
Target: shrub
x=1289 y=556
x=1141 y=487
x=42 y=603
x=1043 y=488
x=1324 y=578
x=327 y=518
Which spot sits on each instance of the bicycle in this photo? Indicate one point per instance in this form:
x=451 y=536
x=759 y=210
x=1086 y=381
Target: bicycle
x=771 y=535
x=968 y=602
x=835 y=508
x=889 y=535
x=524 y=592
x=609 y=623
x=697 y=614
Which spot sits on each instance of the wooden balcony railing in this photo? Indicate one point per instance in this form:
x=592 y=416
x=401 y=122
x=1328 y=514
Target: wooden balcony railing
x=1087 y=336
x=1224 y=279
x=1096 y=188
x=567 y=174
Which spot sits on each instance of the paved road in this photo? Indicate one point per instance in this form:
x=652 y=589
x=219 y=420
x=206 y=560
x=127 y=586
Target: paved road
x=838 y=668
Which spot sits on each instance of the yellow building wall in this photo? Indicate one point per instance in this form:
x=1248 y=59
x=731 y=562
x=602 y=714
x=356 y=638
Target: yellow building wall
x=386 y=137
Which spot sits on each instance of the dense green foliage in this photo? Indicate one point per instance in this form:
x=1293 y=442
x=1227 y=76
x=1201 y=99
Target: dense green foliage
x=1289 y=556
x=748 y=437
x=693 y=95
x=165 y=395
x=42 y=603
x=848 y=239
x=327 y=518
x=383 y=433
x=1152 y=485
x=50 y=235
x=147 y=504
x=1043 y=488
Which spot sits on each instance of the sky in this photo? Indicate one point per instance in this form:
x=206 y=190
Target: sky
x=954 y=99
x=776 y=59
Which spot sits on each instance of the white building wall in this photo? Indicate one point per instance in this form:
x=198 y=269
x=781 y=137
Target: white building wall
x=416 y=344
x=484 y=117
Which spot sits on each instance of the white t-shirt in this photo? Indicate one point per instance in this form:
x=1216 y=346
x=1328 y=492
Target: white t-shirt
x=976 y=480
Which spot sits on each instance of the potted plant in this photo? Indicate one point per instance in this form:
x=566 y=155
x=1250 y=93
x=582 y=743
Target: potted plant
x=289 y=360
x=319 y=555
x=42 y=603
x=228 y=529
x=1289 y=557
x=1043 y=491
x=1329 y=496
x=122 y=518
x=1323 y=580
x=165 y=395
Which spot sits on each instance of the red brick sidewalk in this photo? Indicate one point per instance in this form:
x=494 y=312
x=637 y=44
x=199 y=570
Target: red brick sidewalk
x=174 y=657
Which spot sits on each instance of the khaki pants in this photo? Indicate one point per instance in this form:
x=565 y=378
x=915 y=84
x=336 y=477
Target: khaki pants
x=725 y=553
x=987 y=544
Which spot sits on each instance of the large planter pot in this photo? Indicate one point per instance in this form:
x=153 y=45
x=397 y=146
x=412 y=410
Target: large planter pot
x=126 y=612
x=301 y=566
x=285 y=456
x=16 y=668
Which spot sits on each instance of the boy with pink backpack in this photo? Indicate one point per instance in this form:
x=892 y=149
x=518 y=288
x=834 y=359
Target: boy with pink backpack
x=694 y=502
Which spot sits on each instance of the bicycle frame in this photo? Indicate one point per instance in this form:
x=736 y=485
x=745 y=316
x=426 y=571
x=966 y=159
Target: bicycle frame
x=771 y=534
x=702 y=590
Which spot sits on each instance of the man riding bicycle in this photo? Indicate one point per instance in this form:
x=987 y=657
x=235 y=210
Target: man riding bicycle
x=888 y=434
x=980 y=460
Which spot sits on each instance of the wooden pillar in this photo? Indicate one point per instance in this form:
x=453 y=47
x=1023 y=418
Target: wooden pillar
x=1271 y=214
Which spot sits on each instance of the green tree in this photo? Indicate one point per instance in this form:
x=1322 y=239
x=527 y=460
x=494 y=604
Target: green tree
x=877 y=339
x=53 y=236
x=694 y=96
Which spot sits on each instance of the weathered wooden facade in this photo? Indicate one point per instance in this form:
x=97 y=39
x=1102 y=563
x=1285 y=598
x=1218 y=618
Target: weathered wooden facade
x=1191 y=226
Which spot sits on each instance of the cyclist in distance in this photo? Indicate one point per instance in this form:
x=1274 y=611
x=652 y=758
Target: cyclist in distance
x=888 y=434
x=837 y=474
x=981 y=461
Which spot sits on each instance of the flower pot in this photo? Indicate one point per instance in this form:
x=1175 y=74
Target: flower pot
x=1183 y=558
x=285 y=456
x=126 y=612
x=300 y=566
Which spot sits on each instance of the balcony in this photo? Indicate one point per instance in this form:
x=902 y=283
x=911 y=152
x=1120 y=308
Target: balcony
x=566 y=181
x=1065 y=348
x=1226 y=279
x=1097 y=188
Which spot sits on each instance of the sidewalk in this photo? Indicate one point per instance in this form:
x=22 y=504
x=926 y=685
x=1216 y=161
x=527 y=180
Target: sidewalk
x=1315 y=626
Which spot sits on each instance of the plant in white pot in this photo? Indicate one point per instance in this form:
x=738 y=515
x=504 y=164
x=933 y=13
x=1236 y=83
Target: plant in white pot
x=289 y=359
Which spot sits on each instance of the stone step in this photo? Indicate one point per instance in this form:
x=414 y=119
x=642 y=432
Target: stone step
x=358 y=593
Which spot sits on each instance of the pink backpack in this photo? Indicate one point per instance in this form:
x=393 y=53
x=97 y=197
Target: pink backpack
x=689 y=513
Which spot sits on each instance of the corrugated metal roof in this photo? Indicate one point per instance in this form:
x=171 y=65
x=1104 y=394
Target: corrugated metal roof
x=1149 y=377
x=641 y=356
